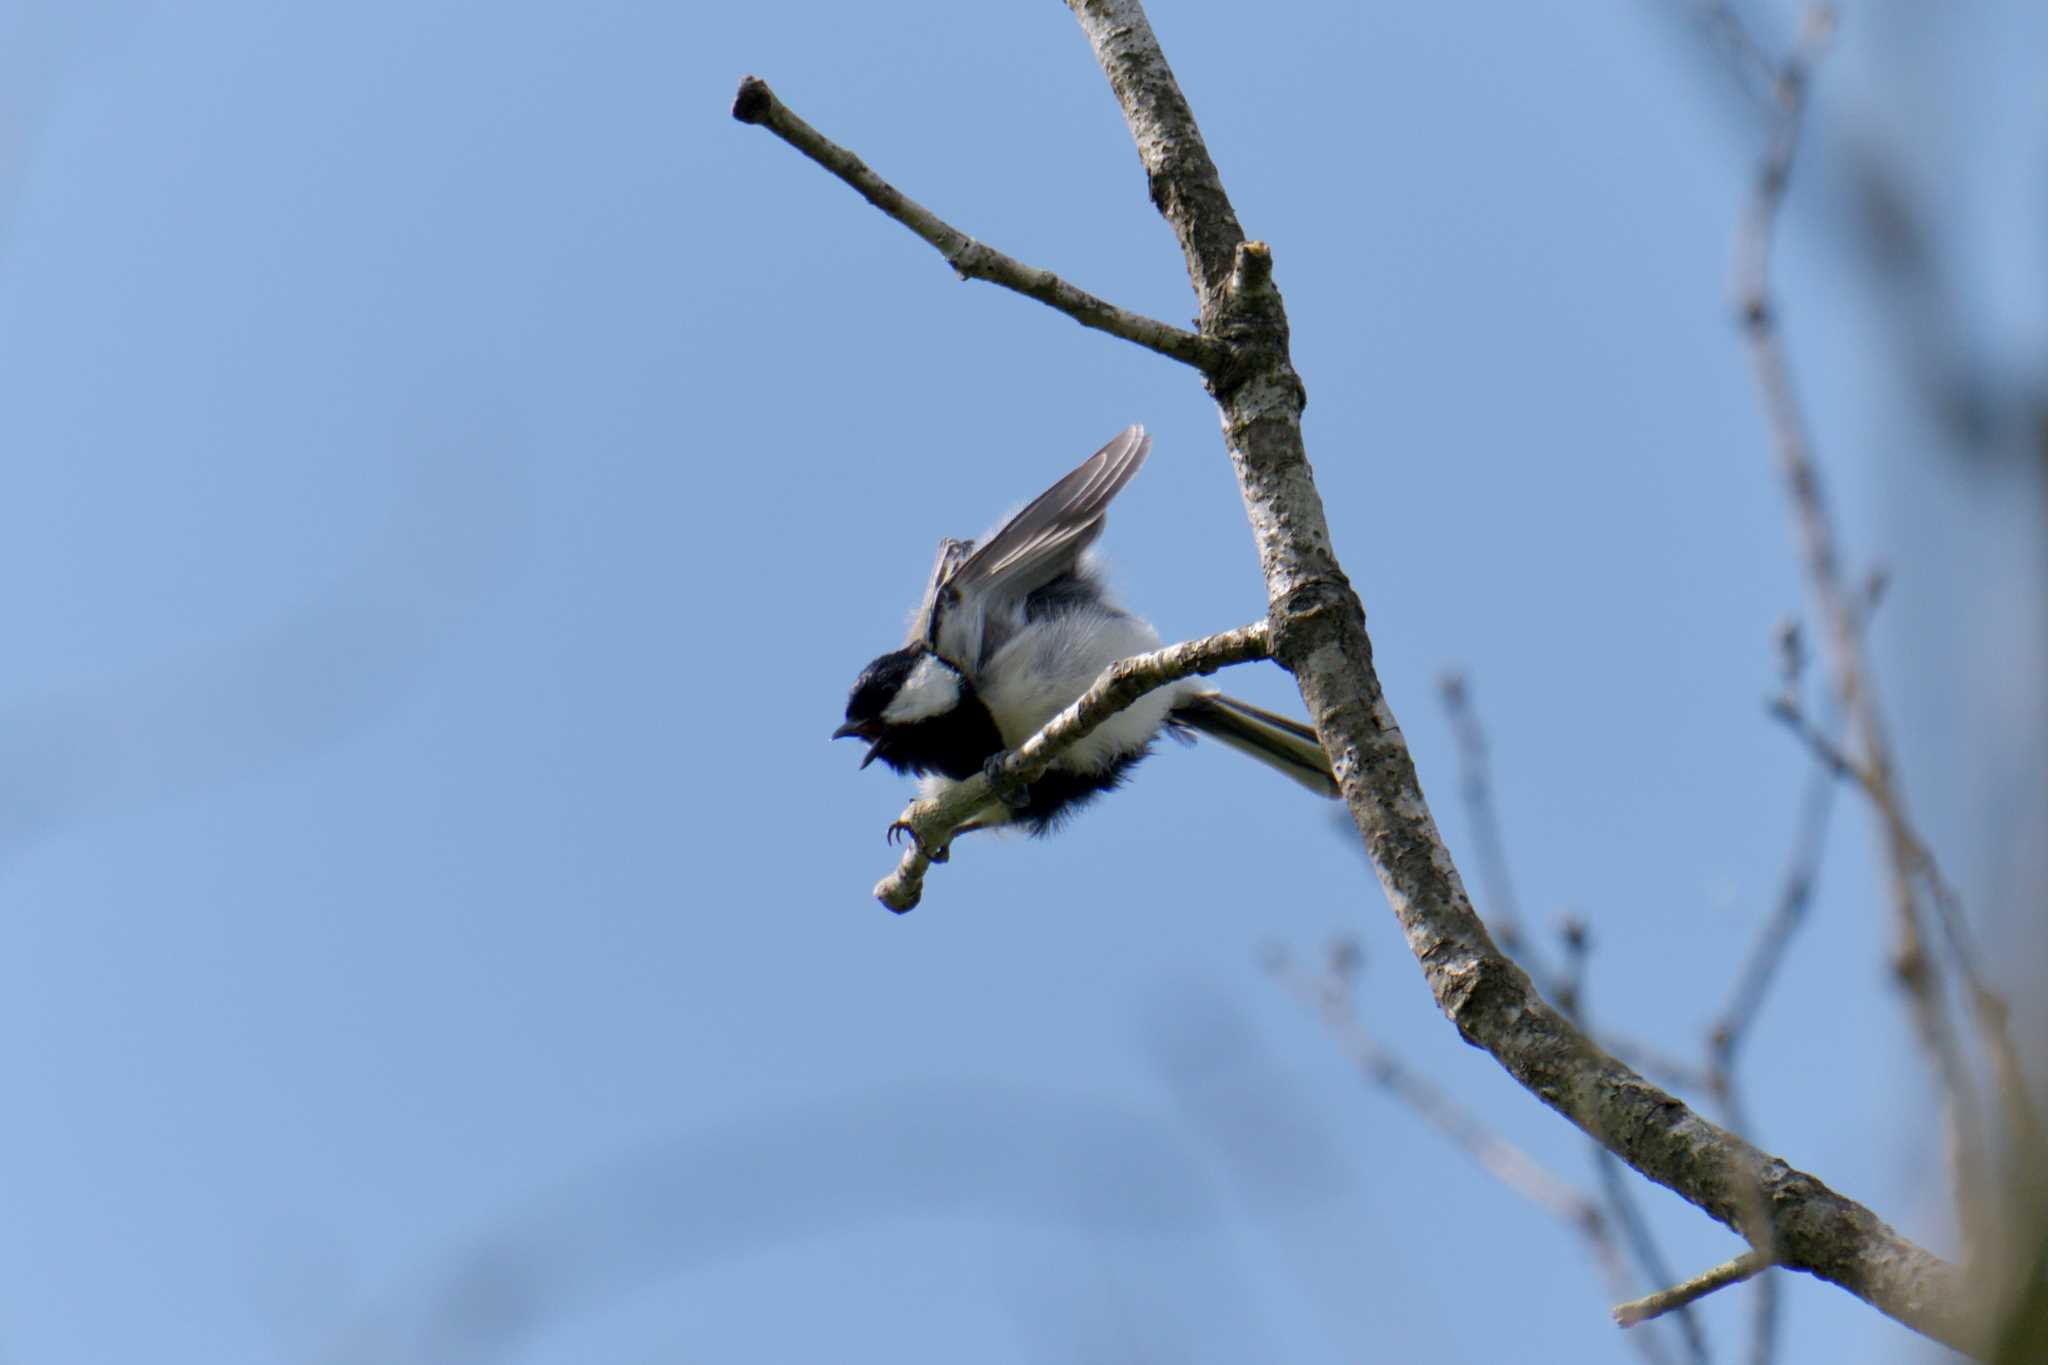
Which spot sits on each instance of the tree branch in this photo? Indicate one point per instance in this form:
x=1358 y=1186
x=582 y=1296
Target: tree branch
x=931 y=824
x=1987 y=1006
x=1907 y=861
x=1316 y=629
x=1564 y=988
x=1318 y=634
x=970 y=259
x=1329 y=992
x=1475 y=786
x=1698 y=1287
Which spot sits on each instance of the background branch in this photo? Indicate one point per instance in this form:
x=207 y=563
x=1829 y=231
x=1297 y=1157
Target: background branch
x=1318 y=627
x=1566 y=988
x=1317 y=631
x=1329 y=993
x=1908 y=864
x=1475 y=787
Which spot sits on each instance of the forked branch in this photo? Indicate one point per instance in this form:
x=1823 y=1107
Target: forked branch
x=1317 y=631
x=1319 y=635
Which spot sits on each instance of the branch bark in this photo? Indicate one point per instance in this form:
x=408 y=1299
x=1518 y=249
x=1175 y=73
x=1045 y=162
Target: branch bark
x=971 y=260
x=1318 y=633
x=1316 y=626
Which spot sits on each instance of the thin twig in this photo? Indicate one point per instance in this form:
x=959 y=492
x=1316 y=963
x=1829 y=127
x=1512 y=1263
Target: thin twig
x=1642 y=1244
x=1475 y=786
x=1679 y=1295
x=1615 y=1188
x=1329 y=994
x=970 y=259
x=1751 y=67
x=1854 y=685
x=1318 y=633
x=1795 y=887
x=1745 y=1001
x=1767 y=953
x=1988 y=1008
x=1565 y=987
x=932 y=823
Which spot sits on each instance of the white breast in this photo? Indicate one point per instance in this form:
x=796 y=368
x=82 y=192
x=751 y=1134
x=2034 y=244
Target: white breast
x=1049 y=664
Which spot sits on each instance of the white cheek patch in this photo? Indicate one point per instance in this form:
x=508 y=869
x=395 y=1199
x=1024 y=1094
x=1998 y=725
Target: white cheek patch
x=932 y=689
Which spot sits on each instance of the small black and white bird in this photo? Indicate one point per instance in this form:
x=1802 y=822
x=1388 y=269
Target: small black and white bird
x=1011 y=631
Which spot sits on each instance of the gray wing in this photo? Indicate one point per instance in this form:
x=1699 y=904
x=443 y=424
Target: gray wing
x=1032 y=548
x=1046 y=539
x=924 y=625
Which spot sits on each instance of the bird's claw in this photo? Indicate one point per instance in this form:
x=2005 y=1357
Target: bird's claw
x=904 y=827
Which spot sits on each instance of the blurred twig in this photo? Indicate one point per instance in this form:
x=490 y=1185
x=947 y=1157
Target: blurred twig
x=1842 y=632
x=1888 y=230
x=1317 y=624
x=1475 y=789
x=1988 y=1008
x=1328 y=990
x=1565 y=986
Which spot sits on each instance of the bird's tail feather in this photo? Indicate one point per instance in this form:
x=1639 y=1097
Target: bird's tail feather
x=1287 y=746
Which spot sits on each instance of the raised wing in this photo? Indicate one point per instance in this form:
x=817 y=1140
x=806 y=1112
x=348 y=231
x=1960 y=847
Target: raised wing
x=924 y=625
x=1046 y=539
x=1031 y=549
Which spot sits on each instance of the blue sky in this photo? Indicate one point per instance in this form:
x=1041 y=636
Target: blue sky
x=455 y=472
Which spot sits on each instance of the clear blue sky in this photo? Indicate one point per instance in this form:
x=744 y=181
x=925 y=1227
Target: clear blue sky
x=454 y=472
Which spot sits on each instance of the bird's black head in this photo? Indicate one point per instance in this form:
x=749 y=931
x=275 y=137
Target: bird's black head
x=919 y=714
x=876 y=689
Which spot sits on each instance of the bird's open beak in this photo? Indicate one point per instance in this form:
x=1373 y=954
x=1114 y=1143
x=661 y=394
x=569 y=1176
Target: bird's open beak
x=862 y=729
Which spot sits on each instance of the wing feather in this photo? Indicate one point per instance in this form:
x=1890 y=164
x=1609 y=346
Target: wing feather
x=975 y=584
x=1046 y=538
x=924 y=625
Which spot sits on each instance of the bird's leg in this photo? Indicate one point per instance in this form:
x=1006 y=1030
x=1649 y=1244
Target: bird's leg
x=1012 y=793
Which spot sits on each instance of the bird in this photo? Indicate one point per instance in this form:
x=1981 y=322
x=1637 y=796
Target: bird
x=1011 y=630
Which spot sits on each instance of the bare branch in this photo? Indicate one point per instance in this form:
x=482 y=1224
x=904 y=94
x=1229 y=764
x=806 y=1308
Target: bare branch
x=1615 y=1189
x=1317 y=631
x=931 y=824
x=1475 y=786
x=1915 y=970
x=1318 y=634
x=1329 y=993
x=1795 y=897
x=1988 y=1008
x=1759 y=971
x=1565 y=988
x=970 y=259
x=1679 y=1295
